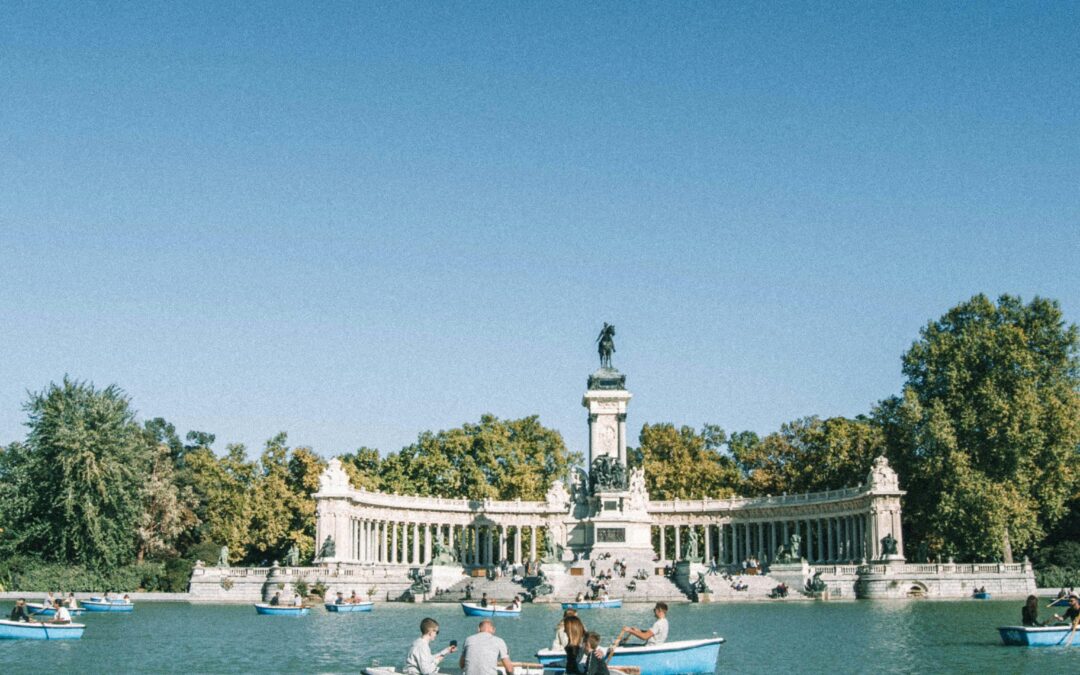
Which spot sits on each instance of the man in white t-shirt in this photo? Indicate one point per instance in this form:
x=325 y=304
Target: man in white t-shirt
x=657 y=633
x=483 y=653
x=62 y=614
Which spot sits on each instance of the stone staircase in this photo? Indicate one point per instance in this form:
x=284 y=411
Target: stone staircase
x=758 y=587
x=501 y=589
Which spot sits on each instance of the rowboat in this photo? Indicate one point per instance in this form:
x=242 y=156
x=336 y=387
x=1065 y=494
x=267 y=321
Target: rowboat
x=472 y=609
x=350 y=607
x=281 y=610
x=20 y=630
x=1060 y=602
x=95 y=605
x=1037 y=636
x=614 y=603
x=684 y=657
x=981 y=595
x=540 y=669
x=38 y=609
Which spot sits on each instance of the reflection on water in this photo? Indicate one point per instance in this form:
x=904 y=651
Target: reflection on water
x=793 y=637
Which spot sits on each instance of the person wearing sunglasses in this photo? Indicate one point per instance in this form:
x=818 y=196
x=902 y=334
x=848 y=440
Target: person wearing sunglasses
x=420 y=660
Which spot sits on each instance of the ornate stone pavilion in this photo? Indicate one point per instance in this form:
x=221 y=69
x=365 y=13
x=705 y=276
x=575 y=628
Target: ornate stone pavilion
x=607 y=510
x=850 y=537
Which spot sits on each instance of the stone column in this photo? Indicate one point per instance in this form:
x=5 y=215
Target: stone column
x=532 y=542
x=678 y=542
x=772 y=541
x=708 y=543
x=517 y=544
x=663 y=543
x=490 y=545
x=502 y=543
x=427 y=544
x=415 y=544
x=747 y=550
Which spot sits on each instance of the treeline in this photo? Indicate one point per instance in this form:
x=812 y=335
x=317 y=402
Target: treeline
x=985 y=435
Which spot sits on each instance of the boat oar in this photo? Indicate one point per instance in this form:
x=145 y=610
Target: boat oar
x=1072 y=633
x=611 y=649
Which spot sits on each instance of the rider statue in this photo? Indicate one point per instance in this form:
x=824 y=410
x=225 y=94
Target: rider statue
x=606 y=344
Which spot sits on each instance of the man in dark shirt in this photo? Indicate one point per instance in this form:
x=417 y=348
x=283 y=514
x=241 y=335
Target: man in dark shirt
x=1072 y=614
x=18 y=613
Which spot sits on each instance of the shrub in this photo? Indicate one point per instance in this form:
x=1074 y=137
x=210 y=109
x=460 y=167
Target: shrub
x=1057 y=577
x=301 y=587
x=319 y=589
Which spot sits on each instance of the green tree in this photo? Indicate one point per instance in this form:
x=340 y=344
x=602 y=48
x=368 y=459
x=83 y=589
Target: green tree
x=682 y=463
x=986 y=433
x=808 y=455
x=80 y=476
x=494 y=459
x=272 y=501
x=364 y=468
x=305 y=467
x=223 y=489
x=167 y=508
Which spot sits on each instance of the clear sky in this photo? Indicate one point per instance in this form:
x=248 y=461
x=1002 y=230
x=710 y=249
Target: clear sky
x=359 y=221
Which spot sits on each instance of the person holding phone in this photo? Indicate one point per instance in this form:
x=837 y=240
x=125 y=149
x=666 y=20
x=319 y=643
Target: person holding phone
x=420 y=660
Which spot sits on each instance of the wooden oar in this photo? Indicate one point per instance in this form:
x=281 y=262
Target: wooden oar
x=1072 y=633
x=611 y=649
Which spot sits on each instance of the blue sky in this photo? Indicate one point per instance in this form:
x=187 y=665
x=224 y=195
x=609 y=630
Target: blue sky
x=356 y=222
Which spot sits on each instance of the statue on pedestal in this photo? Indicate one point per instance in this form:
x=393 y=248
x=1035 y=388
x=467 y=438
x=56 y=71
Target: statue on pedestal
x=223 y=557
x=292 y=557
x=606 y=344
x=888 y=545
x=328 y=548
x=607 y=473
x=443 y=555
x=690 y=551
x=794 y=546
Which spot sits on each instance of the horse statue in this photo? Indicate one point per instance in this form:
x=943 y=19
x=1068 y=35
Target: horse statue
x=606 y=344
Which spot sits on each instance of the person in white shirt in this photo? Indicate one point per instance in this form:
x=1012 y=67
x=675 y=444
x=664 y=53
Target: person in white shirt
x=62 y=615
x=420 y=660
x=297 y=601
x=658 y=632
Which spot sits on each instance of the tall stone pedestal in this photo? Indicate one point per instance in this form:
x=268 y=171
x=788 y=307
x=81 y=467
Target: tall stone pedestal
x=445 y=576
x=794 y=574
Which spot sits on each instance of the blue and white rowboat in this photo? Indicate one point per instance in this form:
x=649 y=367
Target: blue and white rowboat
x=38 y=609
x=1038 y=636
x=491 y=610
x=108 y=606
x=684 y=657
x=981 y=595
x=350 y=607
x=614 y=603
x=1060 y=602
x=281 y=610
x=20 y=630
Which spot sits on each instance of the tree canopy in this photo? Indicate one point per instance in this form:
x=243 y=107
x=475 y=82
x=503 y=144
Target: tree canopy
x=986 y=432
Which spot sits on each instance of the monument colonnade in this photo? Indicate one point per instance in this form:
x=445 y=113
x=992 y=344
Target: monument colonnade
x=834 y=526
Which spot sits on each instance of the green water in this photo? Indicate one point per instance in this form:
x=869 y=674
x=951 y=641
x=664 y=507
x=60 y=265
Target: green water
x=793 y=637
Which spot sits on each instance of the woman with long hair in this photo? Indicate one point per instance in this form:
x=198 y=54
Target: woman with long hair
x=576 y=649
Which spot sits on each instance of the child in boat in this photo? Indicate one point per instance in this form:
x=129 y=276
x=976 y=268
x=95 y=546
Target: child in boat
x=596 y=662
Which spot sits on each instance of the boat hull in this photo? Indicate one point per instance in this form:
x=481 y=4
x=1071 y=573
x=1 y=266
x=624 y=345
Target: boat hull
x=277 y=610
x=672 y=658
x=350 y=607
x=1037 y=636
x=476 y=610
x=37 y=609
x=1060 y=602
x=18 y=630
x=597 y=604
x=981 y=596
x=111 y=606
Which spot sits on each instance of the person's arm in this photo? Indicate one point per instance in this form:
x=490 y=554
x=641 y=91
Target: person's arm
x=639 y=634
x=507 y=664
x=461 y=661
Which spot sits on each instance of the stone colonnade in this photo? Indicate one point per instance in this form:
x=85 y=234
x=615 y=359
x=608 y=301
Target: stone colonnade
x=414 y=542
x=836 y=539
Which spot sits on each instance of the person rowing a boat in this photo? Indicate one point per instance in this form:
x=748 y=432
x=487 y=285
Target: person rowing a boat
x=276 y=600
x=658 y=632
x=420 y=660
x=1072 y=614
x=62 y=615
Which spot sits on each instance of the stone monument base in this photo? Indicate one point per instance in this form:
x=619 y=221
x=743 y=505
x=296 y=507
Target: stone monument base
x=445 y=576
x=794 y=574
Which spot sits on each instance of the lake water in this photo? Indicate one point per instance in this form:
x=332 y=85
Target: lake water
x=791 y=637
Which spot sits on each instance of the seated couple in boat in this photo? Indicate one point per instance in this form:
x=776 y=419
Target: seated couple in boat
x=297 y=601
x=353 y=599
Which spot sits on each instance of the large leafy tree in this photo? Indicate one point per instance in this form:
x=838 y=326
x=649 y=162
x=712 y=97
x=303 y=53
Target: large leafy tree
x=807 y=455
x=363 y=467
x=79 y=496
x=223 y=489
x=168 y=508
x=682 y=463
x=987 y=430
x=497 y=459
